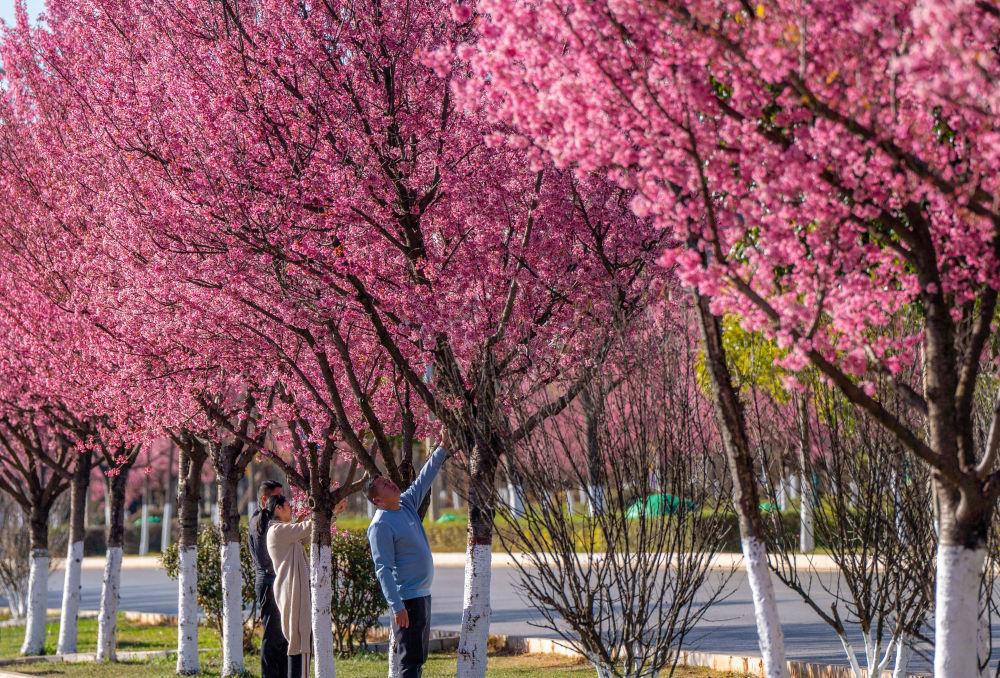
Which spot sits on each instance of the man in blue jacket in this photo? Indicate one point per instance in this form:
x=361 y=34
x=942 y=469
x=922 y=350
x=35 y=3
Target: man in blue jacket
x=403 y=562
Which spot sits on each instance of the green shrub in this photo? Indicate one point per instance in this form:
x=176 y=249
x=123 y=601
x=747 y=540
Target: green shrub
x=210 y=578
x=357 y=598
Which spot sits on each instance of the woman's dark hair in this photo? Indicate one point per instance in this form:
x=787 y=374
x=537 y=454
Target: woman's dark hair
x=266 y=513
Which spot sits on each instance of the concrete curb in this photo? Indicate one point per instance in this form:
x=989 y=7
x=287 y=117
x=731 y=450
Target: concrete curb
x=751 y=666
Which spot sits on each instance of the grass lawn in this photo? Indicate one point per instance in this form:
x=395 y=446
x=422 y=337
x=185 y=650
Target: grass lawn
x=367 y=666
x=131 y=638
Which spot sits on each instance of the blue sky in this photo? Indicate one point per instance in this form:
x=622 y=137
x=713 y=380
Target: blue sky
x=7 y=9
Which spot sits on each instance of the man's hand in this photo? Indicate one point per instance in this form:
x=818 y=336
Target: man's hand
x=340 y=507
x=446 y=441
x=402 y=619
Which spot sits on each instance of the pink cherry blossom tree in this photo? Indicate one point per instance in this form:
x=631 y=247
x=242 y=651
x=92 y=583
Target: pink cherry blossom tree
x=824 y=166
x=304 y=168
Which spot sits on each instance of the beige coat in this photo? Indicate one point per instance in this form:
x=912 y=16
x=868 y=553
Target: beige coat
x=291 y=581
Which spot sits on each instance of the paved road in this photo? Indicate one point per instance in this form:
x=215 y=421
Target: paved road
x=728 y=627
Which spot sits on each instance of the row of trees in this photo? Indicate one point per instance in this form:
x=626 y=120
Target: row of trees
x=332 y=223
x=827 y=173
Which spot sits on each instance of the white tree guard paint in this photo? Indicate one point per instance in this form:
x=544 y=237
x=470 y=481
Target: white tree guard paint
x=903 y=652
x=187 y=609
x=15 y=600
x=168 y=511
x=782 y=492
x=107 y=512
x=232 y=609
x=107 y=619
x=38 y=591
x=807 y=533
x=984 y=649
x=70 y=599
x=475 y=612
x=956 y=611
x=595 y=494
x=393 y=669
x=769 y=635
x=144 y=531
x=516 y=500
x=569 y=501
x=215 y=514
x=322 y=616
x=852 y=656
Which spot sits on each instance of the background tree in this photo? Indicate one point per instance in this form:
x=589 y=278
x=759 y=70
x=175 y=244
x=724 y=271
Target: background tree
x=823 y=167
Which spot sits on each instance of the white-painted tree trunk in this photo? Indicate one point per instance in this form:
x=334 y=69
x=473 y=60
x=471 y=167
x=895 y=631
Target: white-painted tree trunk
x=569 y=501
x=984 y=649
x=322 y=617
x=903 y=652
x=807 y=533
x=187 y=613
x=393 y=669
x=769 y=635
x=16 y=601
x=70 y=599
x=515 y=494
x=168 y=511
x=107 y=510
x=107 y=620
x=215 y=514
x=595 y=494
x=232 y=609
x=38 y=591
x=852 y=656
x=144 y=531
x=782 y=492
x=455 y=501
x=956 y=611
x=475 y=612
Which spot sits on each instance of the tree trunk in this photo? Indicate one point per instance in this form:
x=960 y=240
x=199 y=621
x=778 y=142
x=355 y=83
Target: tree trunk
x=478 y=561
x=38 y=581
x=107 y=623
x=321 y=586
x=595 y=481
x=903 y=652
x=232 y=581
x=190 y=462
x=732 y=428
x=807 y=536
x=964 y=516
x=74 y=553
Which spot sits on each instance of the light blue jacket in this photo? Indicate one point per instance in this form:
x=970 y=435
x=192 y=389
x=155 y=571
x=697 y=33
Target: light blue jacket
x=403 y=562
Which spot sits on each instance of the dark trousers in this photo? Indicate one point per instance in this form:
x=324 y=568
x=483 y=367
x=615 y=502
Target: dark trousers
x=273 y=646
x=298 y=665
x=412 y=643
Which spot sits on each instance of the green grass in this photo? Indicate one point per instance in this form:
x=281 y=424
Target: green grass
x=131 y=637
x=366 y=666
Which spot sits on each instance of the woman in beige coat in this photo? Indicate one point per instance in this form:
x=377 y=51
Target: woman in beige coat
x=285 y=545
